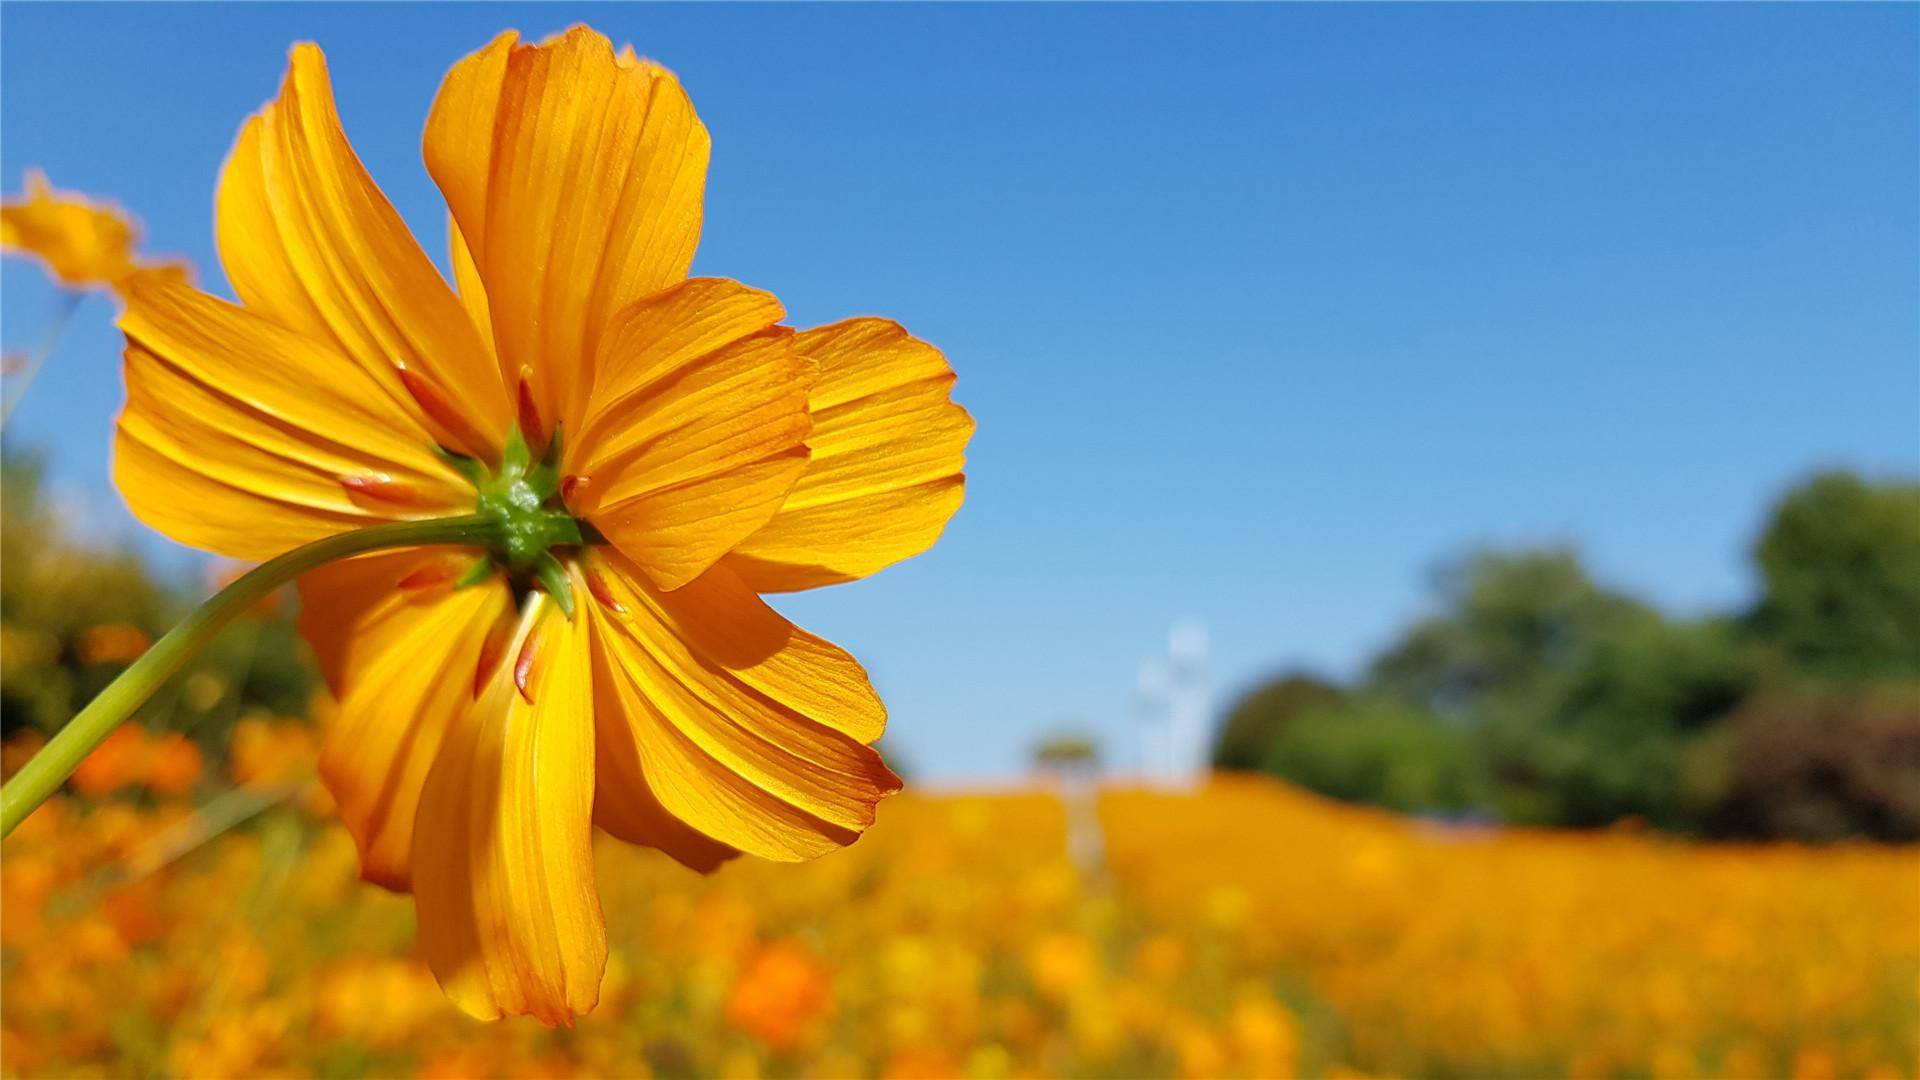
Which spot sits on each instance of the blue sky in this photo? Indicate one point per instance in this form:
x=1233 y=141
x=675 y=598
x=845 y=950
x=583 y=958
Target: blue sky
x=1262 y=309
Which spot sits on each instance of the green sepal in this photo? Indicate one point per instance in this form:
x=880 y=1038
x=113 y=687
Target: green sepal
x=470 y=467
x=553 y=578
x=514 y=456
x=544 y=479
x=480 y=571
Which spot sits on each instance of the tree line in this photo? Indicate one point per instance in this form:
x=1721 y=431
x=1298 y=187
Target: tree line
x=1538 y=696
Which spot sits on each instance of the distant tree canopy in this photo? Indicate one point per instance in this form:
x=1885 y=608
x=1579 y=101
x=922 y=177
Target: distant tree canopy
x=1508 y=624
x=1067 y=749
x=1253 y=725
x=1535 y=695
x=1378 y=750
x=1841 y=562
x=72 y=616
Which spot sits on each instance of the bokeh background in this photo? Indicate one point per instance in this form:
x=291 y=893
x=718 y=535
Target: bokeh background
x=1438 y=594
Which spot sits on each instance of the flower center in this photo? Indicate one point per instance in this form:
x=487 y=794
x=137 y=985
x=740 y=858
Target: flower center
x=530 y=520
x=523 y=498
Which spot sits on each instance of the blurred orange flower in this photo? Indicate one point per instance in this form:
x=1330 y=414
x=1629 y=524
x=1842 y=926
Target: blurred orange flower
x=484 y=726
x=111 y=643
x=118 y=761
x=781 y=994
x=84 y=243
x=167 y=763
x=173 y=764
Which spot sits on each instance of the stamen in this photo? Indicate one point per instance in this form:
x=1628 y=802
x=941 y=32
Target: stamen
x=382 y=490
x=523 y=664
x=530 y=426
x=499 y=636
x=440 y=410
x=603 y=592
x=436 y=573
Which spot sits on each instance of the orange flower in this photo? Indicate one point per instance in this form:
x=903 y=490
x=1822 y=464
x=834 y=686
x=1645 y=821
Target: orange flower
x=656 y=452
x=86 y=244
x=783 y=991
x=118 y=761
x=111 y=643
x=166 y=764
x=173 y=764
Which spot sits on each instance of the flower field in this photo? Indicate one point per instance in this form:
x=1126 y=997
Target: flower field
x=1243 y=930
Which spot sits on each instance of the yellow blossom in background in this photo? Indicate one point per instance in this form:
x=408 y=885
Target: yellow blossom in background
x=83 y=242
x=661 y=450
x=957 y=939
x=264 y=752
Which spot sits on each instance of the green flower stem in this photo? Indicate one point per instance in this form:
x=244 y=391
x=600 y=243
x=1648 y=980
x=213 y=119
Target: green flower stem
x=42 y=776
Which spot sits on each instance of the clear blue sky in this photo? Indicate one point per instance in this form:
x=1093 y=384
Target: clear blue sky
x=1262 y=310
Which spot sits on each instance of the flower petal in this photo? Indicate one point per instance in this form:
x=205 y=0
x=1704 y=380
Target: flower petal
x=246 y=439
x=888 y=446
x=577 y=183
x=502 y=847
x=399 y=646
x=309 y=241
x=746 y=728
x=696 y=429
x=624 y=803
x=83 y=243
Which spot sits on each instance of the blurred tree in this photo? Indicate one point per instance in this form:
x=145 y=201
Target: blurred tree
x=1257 y=719
x=1553 y=700
x=1511 y=625
x=1614 y=736
x=1381 y=751
x=1823 y=762
x=1841 y=565
x=1067 y=750
x=72 y=616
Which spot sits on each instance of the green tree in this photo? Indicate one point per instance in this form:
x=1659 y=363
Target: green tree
x=1380 y=751
x=1512 y=626
x=1067 y=749
x=1584 y=704
x=1621 y=733
x=1255 y=722
x=58 y=595
x=51 y=593
x=1841 y=564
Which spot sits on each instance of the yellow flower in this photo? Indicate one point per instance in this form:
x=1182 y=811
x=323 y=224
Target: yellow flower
x=577 y=386
x=86 y=244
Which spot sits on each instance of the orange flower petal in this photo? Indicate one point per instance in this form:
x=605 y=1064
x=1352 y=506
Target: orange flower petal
x=84 y=243
x=398 y=645
x=246 y=439
x=625 y=805
x=308 y=240
x=696 y=429
x=576 y=182
x=888 y=447
x=502 y=848
x=745 y=728
x=473 y=291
